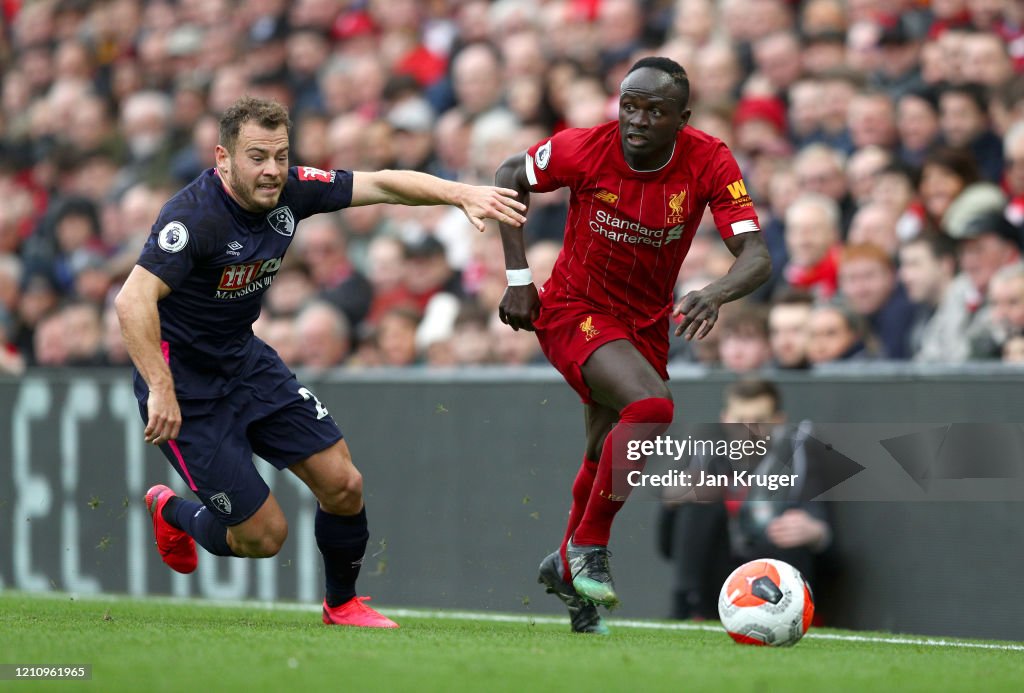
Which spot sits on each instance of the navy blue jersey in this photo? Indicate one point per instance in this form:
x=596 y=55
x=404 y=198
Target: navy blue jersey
x=218 y=260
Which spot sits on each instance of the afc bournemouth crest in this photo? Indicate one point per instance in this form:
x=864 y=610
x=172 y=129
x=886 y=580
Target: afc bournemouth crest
x=282 y=220
x=221 y=502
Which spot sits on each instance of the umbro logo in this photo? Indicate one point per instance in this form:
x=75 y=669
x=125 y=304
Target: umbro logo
x=234 y=247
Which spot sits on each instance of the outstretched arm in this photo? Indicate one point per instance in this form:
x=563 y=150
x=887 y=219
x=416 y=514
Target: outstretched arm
x=751 y=269
x=478 y=202
x=140 y=325
x=520 y=305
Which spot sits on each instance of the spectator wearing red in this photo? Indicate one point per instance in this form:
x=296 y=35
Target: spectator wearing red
x=812 y=242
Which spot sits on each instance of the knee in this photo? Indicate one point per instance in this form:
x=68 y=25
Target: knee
x=656 y=410
x=263 y=545
x=344 y=496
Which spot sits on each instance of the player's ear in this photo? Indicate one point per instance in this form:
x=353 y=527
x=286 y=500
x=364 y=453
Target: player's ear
x=684 y=118
x=221 y=157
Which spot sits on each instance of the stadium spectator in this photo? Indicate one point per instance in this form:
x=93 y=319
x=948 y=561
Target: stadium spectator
x=743 y=344
x=322 y=248
x=805 y=98
x=512 y=348
x=1006 y=301
x=812 y=244
x=899 y=50
x=926 y=270
x=323 y=332
x=788 y=334
x=396 y=337
x=83 y=320
x=777 y=59
x=987 y=59
x=964 y=122
x=39 y=298
x=821 y=169
x=837 y=333
x=867 y=283
x=708 y=532
x=986 y=242
x=862 y=171
x=1013 y=350
x=292 y=289
x=717 y=71
x=946 y=173
x=917 y=124
x=476 y=72
x=50 y=344
x=872 y=120
x=875 y=223
x=823 y=51
x=1013 y=151
x=471 y=342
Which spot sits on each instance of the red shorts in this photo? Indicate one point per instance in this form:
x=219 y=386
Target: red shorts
x=568 y=335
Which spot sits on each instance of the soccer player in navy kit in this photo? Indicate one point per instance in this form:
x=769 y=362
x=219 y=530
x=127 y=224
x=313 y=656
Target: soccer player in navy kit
x=211 y=393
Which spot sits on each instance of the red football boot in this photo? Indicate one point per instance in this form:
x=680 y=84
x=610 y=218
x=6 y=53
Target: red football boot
x=355 y=613
x=177 y=549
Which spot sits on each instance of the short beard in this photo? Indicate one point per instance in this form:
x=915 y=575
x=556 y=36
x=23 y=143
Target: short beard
x=246 y=198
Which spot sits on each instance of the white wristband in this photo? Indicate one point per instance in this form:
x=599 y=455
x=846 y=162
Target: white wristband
x=519 y=277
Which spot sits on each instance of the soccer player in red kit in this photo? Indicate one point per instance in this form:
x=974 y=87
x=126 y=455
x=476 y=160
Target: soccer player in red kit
x=639 y=188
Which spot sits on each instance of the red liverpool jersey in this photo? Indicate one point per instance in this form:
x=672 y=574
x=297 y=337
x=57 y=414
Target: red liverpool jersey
x=628 y=231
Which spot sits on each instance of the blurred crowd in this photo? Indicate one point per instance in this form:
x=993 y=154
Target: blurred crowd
x=882 y=142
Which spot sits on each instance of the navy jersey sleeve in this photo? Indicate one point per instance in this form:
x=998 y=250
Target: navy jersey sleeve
x=313 y=191
x=174 y=246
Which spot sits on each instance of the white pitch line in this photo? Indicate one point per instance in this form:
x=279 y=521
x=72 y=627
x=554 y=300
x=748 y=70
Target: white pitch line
x=484 y=617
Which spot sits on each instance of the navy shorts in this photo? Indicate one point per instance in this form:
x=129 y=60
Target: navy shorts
x=269 y=414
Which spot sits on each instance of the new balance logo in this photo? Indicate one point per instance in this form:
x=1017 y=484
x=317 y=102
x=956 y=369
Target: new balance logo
x=605 y=196
x=674 y=233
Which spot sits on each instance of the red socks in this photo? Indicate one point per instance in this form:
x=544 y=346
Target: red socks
x=641 y=420
x=580 y=494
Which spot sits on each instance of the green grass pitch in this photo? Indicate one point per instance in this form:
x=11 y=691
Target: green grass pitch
x=163 y=645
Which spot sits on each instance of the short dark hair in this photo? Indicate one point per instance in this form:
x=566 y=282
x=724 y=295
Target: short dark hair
x=939 y=245
x=975 y=92
x=751 y=388
x=264 y=112
x=745 y=320
x=792 y=296
x=960 y=162
x=669 y=67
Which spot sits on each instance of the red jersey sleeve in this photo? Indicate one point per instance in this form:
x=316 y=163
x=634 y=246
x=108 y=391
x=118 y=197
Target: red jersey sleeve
x=554 y=163
x=730 y=204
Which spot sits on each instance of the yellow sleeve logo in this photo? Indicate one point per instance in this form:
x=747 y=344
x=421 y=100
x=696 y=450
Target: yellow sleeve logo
x=738 y=190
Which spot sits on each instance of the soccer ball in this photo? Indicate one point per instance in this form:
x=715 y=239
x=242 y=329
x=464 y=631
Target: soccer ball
x=766 y=602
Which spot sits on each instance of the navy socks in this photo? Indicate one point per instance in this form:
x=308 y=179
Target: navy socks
x=342 y=541
x=197 y=522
